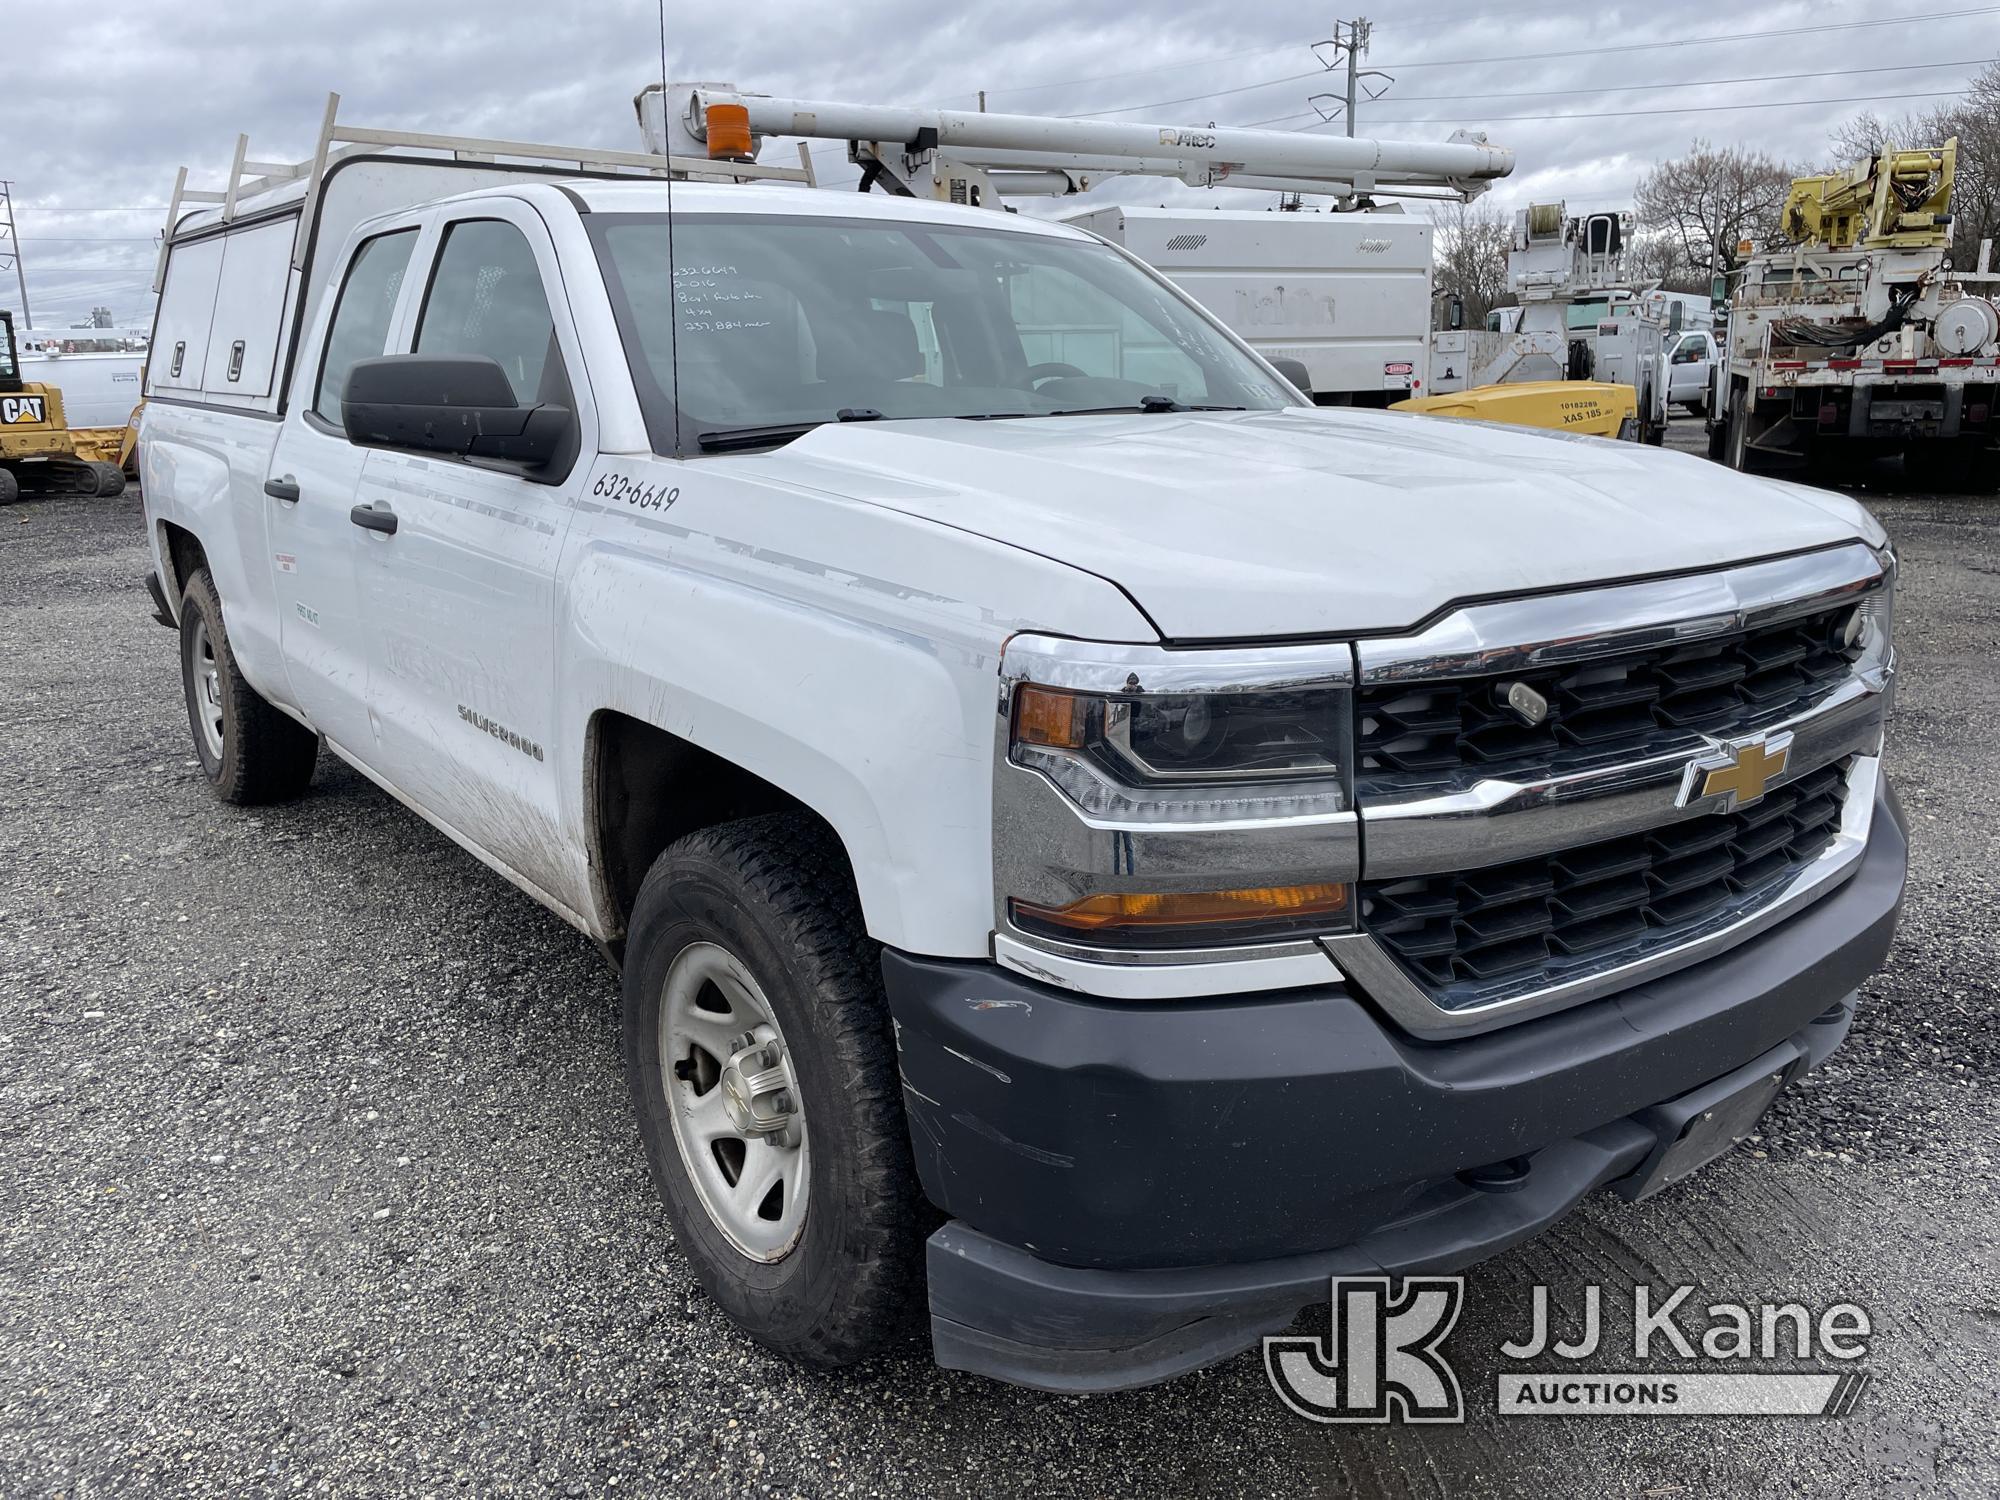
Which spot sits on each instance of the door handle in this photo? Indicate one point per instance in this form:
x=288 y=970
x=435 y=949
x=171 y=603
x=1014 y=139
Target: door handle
x=283 y=488
x=368 y=518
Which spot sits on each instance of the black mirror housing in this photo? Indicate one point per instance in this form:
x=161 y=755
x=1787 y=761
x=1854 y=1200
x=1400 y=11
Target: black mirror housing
x=1296 y=372
x=459 y=404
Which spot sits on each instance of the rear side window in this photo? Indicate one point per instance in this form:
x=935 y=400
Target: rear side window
x=361 y=318
x=486 y=298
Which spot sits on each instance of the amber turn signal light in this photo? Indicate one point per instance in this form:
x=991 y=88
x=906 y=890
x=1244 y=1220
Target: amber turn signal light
x=729 y=131
x=1134 y=914
x=1043 y=716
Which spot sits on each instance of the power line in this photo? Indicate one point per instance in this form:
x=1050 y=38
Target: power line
x=1620 y=114
x=1703 y=41
x=1696 y=41
x=1633 y=88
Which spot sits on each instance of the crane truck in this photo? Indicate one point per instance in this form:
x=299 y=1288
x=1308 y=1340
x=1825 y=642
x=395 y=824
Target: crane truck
x=1858 y=338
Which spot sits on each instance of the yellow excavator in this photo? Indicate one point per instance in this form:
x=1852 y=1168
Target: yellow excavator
x=38 y=454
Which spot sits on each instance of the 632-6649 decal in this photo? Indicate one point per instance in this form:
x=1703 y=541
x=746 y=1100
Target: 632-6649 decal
x=638 y=493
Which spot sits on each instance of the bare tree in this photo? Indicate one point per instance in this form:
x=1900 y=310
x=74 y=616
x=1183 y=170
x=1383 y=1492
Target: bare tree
x=1862 y=138
x=1470 y=252
x=1657 y=256
x=1712 y=198
x=1975 y=195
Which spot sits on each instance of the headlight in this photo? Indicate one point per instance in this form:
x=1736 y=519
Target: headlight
x=1867 y=632
x=1192 y=737
x=1200 y=798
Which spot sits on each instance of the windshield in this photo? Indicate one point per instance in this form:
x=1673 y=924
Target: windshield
x=788 y=322
x=1586 y=314
x=9 y=371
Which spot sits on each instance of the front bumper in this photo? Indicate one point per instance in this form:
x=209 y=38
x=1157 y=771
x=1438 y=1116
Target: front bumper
x=1137 y=1189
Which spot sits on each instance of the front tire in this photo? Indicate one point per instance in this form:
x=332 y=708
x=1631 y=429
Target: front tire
x=763 y=1070
x=250 y=752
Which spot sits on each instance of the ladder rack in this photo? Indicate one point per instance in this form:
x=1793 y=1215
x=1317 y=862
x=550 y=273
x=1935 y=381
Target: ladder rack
x=337 y=140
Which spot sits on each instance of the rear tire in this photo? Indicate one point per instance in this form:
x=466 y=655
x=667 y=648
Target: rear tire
x=250 y=752
x=766 y=909
x=10 y=487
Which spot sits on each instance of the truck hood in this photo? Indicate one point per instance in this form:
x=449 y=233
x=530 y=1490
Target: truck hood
x=1304 y=523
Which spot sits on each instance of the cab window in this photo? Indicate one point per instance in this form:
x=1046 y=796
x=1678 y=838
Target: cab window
x=360 y=326
x=486 y=298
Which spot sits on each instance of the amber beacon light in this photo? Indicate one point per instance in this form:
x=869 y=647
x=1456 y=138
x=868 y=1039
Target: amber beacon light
x=728 y=131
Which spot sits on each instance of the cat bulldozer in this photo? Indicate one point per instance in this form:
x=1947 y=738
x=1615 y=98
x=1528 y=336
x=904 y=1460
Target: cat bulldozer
x=38 y=454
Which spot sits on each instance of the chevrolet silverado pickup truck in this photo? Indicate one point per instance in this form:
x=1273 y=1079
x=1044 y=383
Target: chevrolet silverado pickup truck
x=1094 y=845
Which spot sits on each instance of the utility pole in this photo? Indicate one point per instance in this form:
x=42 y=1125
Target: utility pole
x=10 y=249
x=1350 y=44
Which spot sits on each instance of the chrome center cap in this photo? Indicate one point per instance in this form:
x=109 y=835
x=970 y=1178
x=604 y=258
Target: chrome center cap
x=756 y=1086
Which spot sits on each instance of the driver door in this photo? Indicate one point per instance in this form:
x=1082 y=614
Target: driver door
x=460 y=597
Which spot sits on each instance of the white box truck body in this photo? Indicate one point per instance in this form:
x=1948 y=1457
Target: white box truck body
x=1347 y=295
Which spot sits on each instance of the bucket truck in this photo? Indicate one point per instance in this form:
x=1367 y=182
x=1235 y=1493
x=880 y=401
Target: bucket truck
x=1858 y=338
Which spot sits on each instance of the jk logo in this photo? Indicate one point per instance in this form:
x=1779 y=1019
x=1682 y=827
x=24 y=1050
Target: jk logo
x=1380 y=1361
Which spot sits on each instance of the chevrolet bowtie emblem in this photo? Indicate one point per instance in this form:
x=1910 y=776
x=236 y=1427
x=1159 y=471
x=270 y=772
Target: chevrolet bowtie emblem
x=1738 y=772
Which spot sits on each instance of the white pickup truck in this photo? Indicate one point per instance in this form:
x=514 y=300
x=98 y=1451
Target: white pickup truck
x=1093 y=849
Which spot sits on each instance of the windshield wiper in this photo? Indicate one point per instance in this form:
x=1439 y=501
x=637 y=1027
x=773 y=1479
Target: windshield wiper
x=1144 y=403
x=724 y=438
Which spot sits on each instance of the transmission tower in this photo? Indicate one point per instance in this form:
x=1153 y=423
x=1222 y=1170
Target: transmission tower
x=1345 y=48
x=10 y=248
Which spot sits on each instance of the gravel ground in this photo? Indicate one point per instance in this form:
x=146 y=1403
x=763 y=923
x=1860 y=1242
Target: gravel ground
x=320 y=1177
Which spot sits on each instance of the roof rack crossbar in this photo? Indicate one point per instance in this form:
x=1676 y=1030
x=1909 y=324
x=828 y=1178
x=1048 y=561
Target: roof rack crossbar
x=250 y=178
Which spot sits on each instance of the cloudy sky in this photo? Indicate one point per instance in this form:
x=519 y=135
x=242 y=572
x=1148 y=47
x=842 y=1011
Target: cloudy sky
x=102 y=101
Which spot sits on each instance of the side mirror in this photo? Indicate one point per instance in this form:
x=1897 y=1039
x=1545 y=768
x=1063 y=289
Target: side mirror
x=1296 y=372
x=460 y=404
x=1455 y=313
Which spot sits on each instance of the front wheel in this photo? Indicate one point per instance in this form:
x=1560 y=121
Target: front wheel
x=250 y=751
x=763 y=1072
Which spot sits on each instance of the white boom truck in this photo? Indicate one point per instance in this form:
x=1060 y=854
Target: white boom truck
x=1090 y=853
x=1578 y=318
x=1342 y=298
x=1860 y=338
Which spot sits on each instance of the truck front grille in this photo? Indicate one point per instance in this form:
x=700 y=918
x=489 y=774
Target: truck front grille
x=1420 y=736
x=1460 y=935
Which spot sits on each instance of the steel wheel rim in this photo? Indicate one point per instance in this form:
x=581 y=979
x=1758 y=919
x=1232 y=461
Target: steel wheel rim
x=207 y=688
x=734 y=1102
